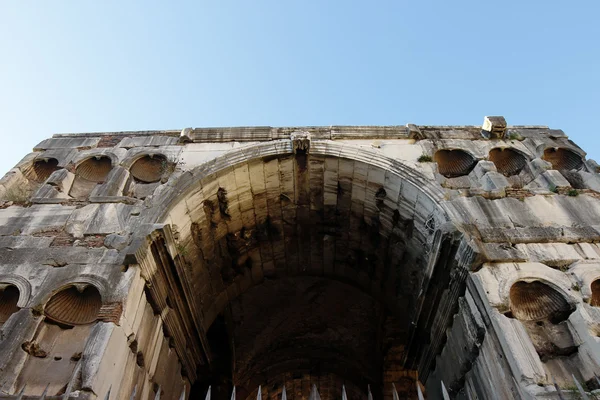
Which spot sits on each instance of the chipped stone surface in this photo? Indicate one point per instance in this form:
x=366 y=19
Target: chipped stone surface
x=336 y=255
x=99 y=219
x=22 y=241
x=196 y=154
x=79 y=143
x=148 y=141
x=17 y=220
x=114 y=241
x=62 y=179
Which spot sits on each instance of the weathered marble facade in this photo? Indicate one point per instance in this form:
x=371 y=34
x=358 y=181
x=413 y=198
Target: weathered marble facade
x=177 y=260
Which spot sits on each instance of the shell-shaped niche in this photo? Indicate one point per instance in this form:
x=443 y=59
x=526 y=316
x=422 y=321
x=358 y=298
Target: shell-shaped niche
x=536 y=301
x=563 y=159
x=453 y=163
x=595 y=300
x=72 y=306
x=507 y=161
x=94 y=169
x=150 y=168
x=41 y=169
x=9 y=297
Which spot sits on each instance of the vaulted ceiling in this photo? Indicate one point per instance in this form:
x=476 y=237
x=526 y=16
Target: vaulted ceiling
x=306 y=258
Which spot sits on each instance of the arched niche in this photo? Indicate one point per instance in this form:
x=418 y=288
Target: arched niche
x=544 y=313
x=78 y=304
x=22 y=285
x=508 y=162
x=94 y=169
x=563 y=159
x=150 y=168
x=454 y=163
x=41 y=169
x=535 y=301
x=595 y=290
x=9 y=299
x=89 y=173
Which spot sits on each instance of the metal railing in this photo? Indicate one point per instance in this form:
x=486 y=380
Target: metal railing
x=314 y=393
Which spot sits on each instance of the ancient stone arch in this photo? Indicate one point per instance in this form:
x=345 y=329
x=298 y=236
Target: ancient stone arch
x=271 y=257
x=251 y=208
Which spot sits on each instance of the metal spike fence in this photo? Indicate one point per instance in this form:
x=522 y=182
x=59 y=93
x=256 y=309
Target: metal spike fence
x=314 y=392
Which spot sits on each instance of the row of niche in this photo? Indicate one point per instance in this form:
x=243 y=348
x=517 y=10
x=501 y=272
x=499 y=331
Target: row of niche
x=542 y=310
x=533 y=300
x=78 y=304
x=75 y=304
x=147 y=171
x=453 y=163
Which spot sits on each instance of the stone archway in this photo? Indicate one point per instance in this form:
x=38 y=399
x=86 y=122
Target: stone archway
x=294 y=262
x=336 y=256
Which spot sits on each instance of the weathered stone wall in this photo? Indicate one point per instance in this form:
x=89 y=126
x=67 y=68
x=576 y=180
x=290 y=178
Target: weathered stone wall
x=125 y=247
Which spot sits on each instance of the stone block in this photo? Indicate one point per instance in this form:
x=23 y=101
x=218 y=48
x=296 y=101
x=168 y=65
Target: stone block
x=20 y=326
x=581 y=211
x=35 y=219
x=96 y=219
x=48 y=194
x=536 y=167
x=114 y=241
x=184 y=135
x=148 y=141
x=104 y=358
x=196 y=154
x=464 y=340
x=482 y=168
x=588 y=250
x=502 y=252
x=113 y=186
x=555 y=255
x=414 y=132
x=494 y=182
x=62 y=180
x=493 y=127
x=400 y=150
x=592 y=165
x=590 y=180
x=555 y=179
x=522 y=354
x=359 y=132
x=12 y=177
x=556 y=133
x=80 y=143
x=58 y=257
x=238 y=134
x=30 y=242
x=549 y=180
x=141 y=190
x=485 y=213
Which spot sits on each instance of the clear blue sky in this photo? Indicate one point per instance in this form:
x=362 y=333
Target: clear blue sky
x=82 y=66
